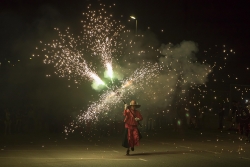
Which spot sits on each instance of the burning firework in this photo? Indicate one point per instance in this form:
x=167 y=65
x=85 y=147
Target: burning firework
x=110 y=98
x=104 y=37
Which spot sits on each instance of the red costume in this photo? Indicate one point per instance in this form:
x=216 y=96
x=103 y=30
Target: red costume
x=131 y=125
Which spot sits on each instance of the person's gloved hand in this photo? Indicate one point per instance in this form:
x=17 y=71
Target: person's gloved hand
x=137 y=119
x=125 y=107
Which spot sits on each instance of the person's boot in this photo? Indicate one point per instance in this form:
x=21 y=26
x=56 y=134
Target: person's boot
x=127 y=152
x=132 y=148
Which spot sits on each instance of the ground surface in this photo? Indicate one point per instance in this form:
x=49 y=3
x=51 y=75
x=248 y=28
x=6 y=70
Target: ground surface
x=161 y=148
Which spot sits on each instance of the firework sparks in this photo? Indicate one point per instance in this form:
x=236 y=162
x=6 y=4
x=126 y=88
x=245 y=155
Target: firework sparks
x=70 y=63
x=111 y=97
x=101 y=34
x=99 y=38
x=104 y=39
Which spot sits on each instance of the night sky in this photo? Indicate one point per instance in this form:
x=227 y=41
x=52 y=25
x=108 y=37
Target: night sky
x=208 y=23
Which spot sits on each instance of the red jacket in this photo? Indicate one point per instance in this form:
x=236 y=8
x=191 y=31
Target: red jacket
x=130 y=119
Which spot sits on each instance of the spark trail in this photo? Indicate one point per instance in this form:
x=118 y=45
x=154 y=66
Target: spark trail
x=69 y=62
x=101 y=33
x=110 y=98
x=99 y=39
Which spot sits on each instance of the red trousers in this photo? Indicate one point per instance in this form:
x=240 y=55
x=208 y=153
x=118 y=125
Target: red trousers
x=133 y=137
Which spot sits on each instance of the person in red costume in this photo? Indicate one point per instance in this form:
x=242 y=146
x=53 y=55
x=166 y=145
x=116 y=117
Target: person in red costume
x=131 y=120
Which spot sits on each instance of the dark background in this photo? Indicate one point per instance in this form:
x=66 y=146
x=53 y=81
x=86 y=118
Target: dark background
x=27 y=92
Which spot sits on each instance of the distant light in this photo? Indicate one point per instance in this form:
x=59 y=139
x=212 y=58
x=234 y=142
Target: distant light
x=133 y=17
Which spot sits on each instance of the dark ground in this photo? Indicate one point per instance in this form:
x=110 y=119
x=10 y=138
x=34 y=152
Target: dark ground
x=162 y=148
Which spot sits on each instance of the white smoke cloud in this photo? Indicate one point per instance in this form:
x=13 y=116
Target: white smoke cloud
x=181 y=60
x=180 y=71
